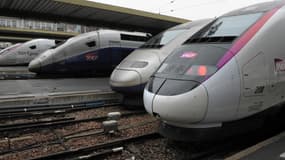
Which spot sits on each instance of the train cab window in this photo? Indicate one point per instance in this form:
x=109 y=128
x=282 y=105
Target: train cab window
x=33 y=47
x=134 y=38
x=195 y=62
x=232 y=25
x=58 y=43
x=163 y=38
x=133 y=64
x=91 y=44
x=225 y=29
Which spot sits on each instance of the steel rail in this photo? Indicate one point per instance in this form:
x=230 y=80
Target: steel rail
x=74 y=135
x=54 y=123
x=46 y=111
x=79 y=153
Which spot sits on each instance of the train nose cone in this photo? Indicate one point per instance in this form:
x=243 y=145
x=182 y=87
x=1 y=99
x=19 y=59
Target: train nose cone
x=186 y=108
x=121 y=79
x=147 y=100
x=34 y=66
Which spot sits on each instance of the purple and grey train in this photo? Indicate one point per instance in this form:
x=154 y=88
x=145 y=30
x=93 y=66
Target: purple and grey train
x=226 y=79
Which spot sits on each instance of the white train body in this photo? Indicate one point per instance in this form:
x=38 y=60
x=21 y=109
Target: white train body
x=132 y=74
x=97 y=51
x=23 y=53
x=227 y=94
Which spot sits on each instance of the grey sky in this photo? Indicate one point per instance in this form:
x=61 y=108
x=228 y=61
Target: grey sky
x=188 y=9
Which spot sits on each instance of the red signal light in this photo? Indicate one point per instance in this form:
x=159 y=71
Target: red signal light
x=202 y=70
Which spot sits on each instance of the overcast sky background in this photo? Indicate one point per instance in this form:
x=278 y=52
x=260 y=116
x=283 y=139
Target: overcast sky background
x=188 y=9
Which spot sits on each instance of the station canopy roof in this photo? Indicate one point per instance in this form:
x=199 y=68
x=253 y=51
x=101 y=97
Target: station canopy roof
x=89 y=13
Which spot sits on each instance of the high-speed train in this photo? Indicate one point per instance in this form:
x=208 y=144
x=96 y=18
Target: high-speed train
x=131 y=75
x=227 y=79
x=92 y=52
x=23 y=53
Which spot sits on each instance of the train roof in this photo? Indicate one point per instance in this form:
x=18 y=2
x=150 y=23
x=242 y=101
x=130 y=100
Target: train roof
x=104 y=31
x=36 y=40
x=188 y=25
x=125 y=32
x=12 y=46
x=256 y=8
x=88 y=34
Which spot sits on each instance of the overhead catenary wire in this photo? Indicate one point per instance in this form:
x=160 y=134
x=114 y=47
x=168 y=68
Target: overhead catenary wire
x=169 y=2
x=209 y=2
x=205 y=8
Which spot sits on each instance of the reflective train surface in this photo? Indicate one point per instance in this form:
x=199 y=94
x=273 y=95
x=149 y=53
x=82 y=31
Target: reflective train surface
x=23 y=53
x=227 y=79
x=92 y=52
x=132 y=74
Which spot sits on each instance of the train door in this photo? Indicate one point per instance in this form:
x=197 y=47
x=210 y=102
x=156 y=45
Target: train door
x=255 y=84
x=255 y=76
x=115 y=53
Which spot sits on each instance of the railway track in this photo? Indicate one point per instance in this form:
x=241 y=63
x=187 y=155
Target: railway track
x=29 y=75
x=136 y=138
x=99 y=150
x=76 y=135
x=64 y=133
x=57 y=122
x=79 y=134
x=20 y=112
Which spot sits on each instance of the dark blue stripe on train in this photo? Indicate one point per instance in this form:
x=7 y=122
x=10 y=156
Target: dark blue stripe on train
x=99 y=61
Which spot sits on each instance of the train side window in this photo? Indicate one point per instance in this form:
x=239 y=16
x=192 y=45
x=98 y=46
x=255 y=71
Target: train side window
x=33 y=47
x=91 y=44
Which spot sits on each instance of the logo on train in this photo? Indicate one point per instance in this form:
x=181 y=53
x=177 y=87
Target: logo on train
x=91 y=57
x=279 y=65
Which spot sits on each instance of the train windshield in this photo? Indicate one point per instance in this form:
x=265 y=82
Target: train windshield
x=231 y=26
x=57 y=44
x=193 y=62
x=163 y=38
x=197 y=59
x=226 y=29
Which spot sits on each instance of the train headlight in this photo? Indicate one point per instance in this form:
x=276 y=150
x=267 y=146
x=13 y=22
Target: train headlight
x=139 y=64
x=134 y=64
